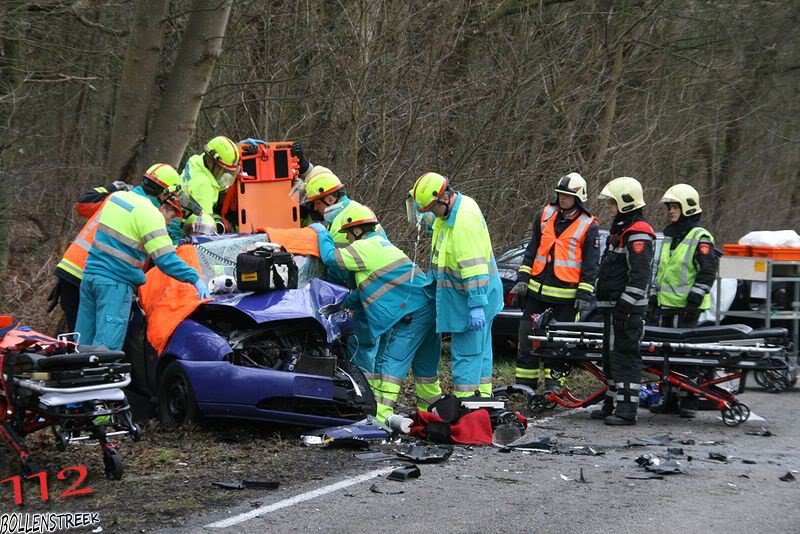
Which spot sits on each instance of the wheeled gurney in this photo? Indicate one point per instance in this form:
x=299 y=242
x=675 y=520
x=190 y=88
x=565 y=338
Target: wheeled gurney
x=733 y=349
x=75 y=390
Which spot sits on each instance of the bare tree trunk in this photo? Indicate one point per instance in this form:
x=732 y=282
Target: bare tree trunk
x=197 y=54
x=134 y=96
x=10 y=81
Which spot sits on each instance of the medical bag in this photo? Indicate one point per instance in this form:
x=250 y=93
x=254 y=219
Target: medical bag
x=265 y=269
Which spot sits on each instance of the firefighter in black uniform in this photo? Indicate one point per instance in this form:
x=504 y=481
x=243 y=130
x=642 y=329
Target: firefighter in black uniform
x=558 y=271
x=625 y=273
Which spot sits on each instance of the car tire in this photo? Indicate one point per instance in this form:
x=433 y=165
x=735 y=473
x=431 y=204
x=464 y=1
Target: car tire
x=176 y=401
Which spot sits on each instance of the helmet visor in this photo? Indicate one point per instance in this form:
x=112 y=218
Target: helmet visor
x=298 y=191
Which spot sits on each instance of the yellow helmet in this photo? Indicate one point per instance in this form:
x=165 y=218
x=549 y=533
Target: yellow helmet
x=427 y=189
x=163 y=175
x=356 y=214
x=573 y=184
x=686 y=196
x=626 y=192
x=223 y=152
x=321 y=182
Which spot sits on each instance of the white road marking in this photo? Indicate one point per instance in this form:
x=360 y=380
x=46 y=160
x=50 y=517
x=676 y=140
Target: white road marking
x=241 y=518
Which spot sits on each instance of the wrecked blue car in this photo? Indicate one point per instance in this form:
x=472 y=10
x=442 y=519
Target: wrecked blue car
x=275 y=356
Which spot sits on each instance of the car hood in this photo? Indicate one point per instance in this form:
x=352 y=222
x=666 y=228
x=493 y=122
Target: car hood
x=291 y=304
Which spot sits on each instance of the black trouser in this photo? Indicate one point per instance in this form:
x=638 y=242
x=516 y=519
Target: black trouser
x=527 y=371
x=673 y=318
x=69 y=297
x=624 y=368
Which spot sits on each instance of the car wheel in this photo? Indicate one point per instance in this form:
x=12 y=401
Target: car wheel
x=176 y=402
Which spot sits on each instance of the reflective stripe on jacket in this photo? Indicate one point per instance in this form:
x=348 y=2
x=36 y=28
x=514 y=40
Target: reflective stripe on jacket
x=389 y=285
x=129 y=229
x=74 y=260
x=463 y=265
x=564 y=251
x=677 y=271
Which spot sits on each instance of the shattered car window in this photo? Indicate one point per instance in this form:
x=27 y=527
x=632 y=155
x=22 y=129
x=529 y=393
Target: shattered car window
x=218 y=257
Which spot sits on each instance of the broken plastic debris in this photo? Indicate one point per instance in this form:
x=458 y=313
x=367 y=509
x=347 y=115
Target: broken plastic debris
x=375 y=489
x=581 y=478
x=585 y=451
x=565 y=477
x=373 y=456
x=355 y=435
x=746 y=461
x=687 y=442
x=644 y=476
x=426 y=455
x=718 y=456
x=662 y=466
x=763 y=432
x=658 y=439
x=405 y=472
x=529 y=442
x=788 y=477
x=248 y=484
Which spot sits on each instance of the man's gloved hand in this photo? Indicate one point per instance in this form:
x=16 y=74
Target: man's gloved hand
x=297 y=151
x=318 y=227
x=119 y=185
x=690 y=315
x=477 y=318
x=520 y=292
x=582 y=300
x=202 y=289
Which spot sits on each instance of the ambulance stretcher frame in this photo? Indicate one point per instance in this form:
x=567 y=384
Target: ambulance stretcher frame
x=74 y=390
x=733 y=349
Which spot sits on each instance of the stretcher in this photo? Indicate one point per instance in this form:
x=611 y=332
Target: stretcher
x=714 y=354
x=74 y=390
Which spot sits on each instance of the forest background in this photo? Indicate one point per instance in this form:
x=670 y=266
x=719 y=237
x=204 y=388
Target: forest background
x=504 y=97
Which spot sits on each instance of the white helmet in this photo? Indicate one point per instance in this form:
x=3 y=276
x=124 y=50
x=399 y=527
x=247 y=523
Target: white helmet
x=626 y=192
x=573 y=184
x=686 y=196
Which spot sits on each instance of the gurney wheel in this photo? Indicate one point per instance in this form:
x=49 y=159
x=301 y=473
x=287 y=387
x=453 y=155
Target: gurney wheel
x=539 y=403
x=136 y=432
x=774 y=380
x=113 y=464
x=735 y=414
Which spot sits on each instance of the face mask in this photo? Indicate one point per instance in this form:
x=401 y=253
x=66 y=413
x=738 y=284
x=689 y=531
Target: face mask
x=332 y=211
x=226 y=180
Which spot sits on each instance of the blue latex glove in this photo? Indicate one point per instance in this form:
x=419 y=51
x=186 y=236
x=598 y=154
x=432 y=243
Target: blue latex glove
x=318 y=227
x=202 y=289
x=477 y=318
x=252 y=142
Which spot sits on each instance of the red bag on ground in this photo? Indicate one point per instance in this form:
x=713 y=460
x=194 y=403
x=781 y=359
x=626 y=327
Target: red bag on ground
x=472 y=428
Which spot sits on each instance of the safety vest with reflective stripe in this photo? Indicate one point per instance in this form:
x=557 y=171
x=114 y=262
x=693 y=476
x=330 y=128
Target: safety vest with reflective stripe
x=677 y=270
x=463 y=264
x=564 y=250
x=75 y=256
x=389 y=285
x=129 y=229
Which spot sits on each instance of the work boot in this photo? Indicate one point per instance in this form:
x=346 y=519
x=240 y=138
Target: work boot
x=688 y=406
x=605 y=410
x=624 y=415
